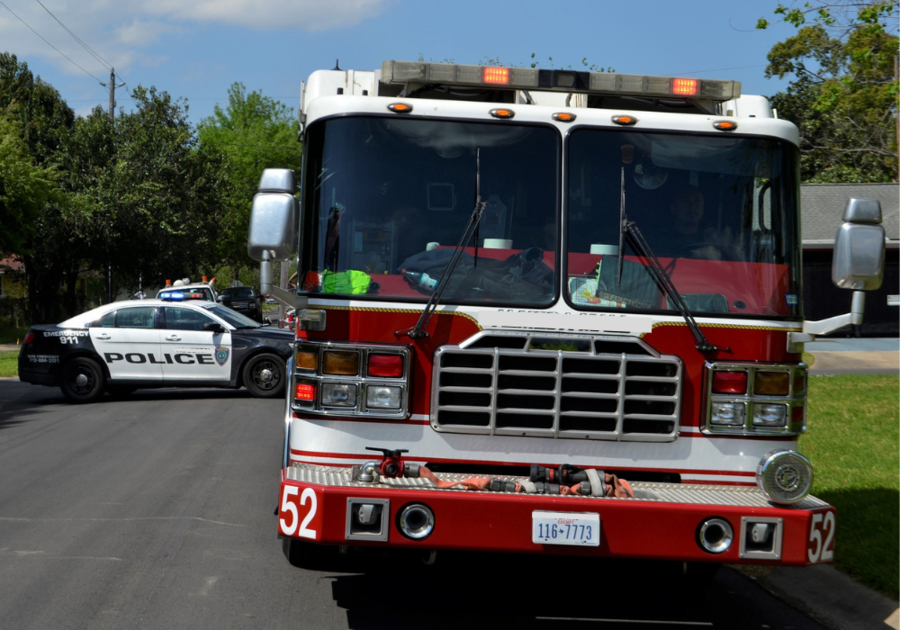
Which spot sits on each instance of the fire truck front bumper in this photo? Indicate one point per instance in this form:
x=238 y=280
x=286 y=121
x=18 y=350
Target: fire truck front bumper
x=664 y=521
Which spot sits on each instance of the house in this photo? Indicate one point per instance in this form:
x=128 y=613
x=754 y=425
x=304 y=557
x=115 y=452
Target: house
x=821 y=208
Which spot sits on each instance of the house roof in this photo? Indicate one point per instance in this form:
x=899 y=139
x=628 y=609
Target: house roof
x=823 y=204
x=10 y=264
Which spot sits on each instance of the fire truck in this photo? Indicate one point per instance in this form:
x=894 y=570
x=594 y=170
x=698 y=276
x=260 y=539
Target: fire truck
x=548 y=312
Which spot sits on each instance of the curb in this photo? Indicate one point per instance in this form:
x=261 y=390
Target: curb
x=832 y=598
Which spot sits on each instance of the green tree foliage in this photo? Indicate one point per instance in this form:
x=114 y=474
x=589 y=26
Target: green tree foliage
x=25 y=189
x=161 y=195
x=251 y=133
x=844 y=93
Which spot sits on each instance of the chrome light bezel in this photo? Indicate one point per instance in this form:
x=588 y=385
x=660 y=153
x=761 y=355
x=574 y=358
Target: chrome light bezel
x=362 y=381
x=795 y=398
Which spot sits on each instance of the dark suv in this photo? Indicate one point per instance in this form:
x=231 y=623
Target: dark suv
x=246 y=300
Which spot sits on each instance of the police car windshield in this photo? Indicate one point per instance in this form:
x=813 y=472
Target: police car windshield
x=232 y=317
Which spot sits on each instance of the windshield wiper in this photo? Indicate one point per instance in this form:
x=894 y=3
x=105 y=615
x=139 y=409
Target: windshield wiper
x=628 y=230
x=418 y=330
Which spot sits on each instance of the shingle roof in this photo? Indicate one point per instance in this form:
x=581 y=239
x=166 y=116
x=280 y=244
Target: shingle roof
x=823 y=204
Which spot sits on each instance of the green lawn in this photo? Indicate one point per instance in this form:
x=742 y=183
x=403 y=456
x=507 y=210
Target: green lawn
x=9 y=363
x=852 y=442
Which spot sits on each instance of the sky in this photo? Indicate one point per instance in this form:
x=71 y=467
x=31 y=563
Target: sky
x=196 y=49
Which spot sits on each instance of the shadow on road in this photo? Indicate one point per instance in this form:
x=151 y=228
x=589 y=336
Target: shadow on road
x=499 y=591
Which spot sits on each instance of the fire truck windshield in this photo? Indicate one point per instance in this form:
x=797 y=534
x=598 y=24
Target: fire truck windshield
x=718 y=211
x=386 y=200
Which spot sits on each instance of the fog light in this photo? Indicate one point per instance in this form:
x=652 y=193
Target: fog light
x=769 y=415
x=338 y=395
x=784 y=476
x=383 y=397
x=728 y=414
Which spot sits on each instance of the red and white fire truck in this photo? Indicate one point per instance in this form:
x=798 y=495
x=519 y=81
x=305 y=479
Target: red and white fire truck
x=549 y=312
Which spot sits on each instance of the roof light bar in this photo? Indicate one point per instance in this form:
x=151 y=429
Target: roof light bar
x=559 y=80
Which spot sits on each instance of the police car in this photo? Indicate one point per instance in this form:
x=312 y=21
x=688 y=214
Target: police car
x=134 y=344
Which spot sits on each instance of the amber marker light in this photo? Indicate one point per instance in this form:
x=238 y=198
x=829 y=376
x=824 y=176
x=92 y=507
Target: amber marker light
x=685 y=87
x=400 y=108
x=725 y=125
x=340 y=363
x=771 y=383
x=307 y=360
x=496 y=75
x=502 y=113
x=564 y=117
x=624 y=120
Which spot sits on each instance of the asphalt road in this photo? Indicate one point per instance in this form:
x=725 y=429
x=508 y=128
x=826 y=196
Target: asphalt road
x=157 y=512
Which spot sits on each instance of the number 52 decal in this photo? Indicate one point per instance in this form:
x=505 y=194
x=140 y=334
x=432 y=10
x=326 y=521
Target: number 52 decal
x=297 y=505
x=821 y=537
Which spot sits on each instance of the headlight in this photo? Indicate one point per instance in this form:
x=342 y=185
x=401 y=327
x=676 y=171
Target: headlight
x=728 y=414
x=383 y=397
x=338 y=395
x=784 y=476
x=769 y=415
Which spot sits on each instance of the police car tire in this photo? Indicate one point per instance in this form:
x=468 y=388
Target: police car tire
x=257 y=382
x=94 y=381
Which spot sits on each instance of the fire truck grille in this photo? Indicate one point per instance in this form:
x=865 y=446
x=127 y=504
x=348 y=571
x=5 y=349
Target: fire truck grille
x=520 y=387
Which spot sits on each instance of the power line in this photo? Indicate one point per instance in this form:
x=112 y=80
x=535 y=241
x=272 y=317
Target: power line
x=75 y=37
x=48 y=43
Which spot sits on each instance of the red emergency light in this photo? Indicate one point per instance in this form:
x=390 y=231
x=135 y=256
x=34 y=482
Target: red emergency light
x=685 y=87
x=496 y=75
x=386 y=365
x=304 y=391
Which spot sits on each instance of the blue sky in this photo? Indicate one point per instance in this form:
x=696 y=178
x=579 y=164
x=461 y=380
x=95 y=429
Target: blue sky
x=196 y=49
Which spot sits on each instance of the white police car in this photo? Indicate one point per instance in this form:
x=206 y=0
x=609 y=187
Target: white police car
x=129 y=345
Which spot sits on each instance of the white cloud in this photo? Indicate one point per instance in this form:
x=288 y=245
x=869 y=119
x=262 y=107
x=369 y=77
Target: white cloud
x=310 y=15
x=119 y=30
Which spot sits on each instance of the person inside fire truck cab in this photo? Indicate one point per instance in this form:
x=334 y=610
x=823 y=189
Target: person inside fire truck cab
x=688 y=238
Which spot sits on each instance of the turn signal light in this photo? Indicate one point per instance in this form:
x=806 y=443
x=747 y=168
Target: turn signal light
x=772 y=383
x=307 y=360
x=729 y=382
x=340 y=363
x=305 y=391
x=400 y=108
x=502 y=113
x=386 y=365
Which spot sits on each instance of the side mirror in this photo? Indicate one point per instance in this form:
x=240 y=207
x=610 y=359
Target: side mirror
x=274 y=217
x=214 y=327
x=858 y=262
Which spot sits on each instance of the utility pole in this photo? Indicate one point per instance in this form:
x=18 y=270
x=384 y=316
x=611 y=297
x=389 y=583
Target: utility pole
x=112 y=117
x=112 y=92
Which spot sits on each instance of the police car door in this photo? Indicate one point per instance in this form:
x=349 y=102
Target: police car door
x=127 y=340
x=191 y=352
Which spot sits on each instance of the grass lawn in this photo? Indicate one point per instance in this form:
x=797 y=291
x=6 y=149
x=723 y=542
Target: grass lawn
x=9 y=363
x=853 y=445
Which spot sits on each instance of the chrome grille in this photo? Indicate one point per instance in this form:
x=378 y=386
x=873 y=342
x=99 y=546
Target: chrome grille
x=557 y=386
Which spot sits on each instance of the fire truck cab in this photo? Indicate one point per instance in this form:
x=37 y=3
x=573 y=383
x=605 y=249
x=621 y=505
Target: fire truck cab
x=549 y=312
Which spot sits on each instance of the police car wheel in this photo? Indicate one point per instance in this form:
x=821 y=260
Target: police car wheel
x=82 y=380
x=264 y=376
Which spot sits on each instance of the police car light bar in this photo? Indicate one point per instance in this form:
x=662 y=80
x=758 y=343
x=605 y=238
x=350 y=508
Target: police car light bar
x=570 y=81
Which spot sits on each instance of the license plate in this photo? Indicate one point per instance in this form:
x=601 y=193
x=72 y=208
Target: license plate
x=565 y=528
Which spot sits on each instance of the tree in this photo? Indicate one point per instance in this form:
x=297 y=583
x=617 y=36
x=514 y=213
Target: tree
x=252 y=133
x=844 y=93
x=161 y=196
x=25 y=189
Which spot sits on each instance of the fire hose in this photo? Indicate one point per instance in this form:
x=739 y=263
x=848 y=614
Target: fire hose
x=565 y=480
